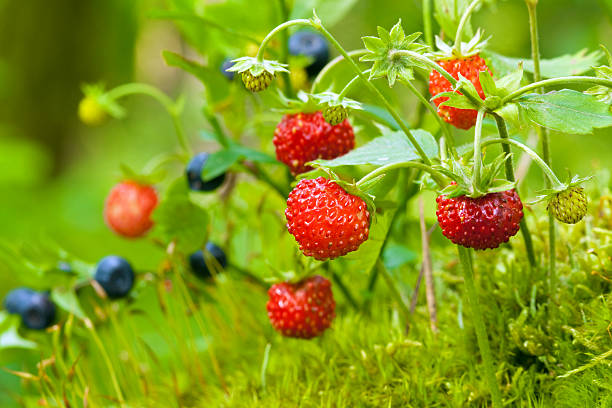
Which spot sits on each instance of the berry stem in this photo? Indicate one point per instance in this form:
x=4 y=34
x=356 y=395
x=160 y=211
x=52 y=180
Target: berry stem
x=395 y=293
x=438 y=177
x=556 y=183
x=331 y=64
x=476 y=175
x=171 y=106
x=450 y=142
x=284 y=54
x=464 y=19
x=317 y=25
x=345 y=290
x=573 y=80
x=433 y=65
x=348 y=86
x=542 y=132
x=264 y=366
x=503 y=134
x=427 y=26
x=277 y=29
x=465 y=256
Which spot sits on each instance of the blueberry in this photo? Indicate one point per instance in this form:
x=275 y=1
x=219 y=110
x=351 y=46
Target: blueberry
x=36 y=309
x=194 y=174
x=225 y=65
x=198 y=264
x=115 y=275
x=313 y=45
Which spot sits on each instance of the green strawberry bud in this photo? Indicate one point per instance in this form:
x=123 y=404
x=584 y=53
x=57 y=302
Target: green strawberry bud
x=569 y=206
x=257 y=83
x=334 y=115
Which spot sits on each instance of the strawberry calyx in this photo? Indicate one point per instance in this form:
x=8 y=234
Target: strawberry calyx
x=314 y=102
x=570 y=183
x=464 y=50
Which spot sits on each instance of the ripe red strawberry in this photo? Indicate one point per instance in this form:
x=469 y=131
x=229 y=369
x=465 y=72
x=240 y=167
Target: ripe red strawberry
x=303 y=137
x=304 y=309
x=325 y=220
x=128 y=208
x=470 y=68
x=480 y=223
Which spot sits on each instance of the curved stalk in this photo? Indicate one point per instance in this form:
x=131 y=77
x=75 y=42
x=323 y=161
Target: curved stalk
x=478 y=150
x=277 y=29
x=159 y=96
x=464 y=19
x=349 y=85
x=284 y=55
x=465 y=256
x=437 y=176
x=450 y=141
x=330 y=65
x=375 y=91
x=503 y=134
x=534 y=156
x=427 y=26
x=573 y=80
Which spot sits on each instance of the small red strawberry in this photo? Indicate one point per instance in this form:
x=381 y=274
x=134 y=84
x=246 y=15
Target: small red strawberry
x=303 y=137
x=480 y=223
x=325 y=220
x=469 y=67
x=128 y=208
x=304 y=309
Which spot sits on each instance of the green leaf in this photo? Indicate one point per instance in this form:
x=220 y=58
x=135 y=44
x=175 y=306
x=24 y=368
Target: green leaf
x=67 y=300
x=566 y=65
x=220 y=161
x=392 y=147
x=332 y=10
x=9 y=334
x=566 y=111
x=380 y=115
x=180 y=220
x=396 y=255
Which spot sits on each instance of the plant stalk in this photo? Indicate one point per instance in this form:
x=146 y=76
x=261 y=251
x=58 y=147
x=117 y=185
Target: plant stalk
x=284 y=54
x=464 y=19
x=478 y=150
x=465 y=256
x=395 y=293
x=427 y=25
x=561 y=81
x=331 y=64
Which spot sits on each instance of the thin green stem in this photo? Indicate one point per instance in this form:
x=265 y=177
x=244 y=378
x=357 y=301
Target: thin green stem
x=284 y=54
x=427 y=26
x=450 y=141
x=395 y=293
x=503 y=134
x=348 y=87
x=534 y=156
x=375 y=91
x=465 y=256
x=107 y=360
x=277 y=29
x=212 y=120
x=464 y=19
x=437 y=176
x=478 y=149
x=170 y=106
x=345 y=290
x=331 y=64
x=264 y=366
x=573 y=80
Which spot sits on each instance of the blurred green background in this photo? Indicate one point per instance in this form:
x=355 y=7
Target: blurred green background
x=55 y=171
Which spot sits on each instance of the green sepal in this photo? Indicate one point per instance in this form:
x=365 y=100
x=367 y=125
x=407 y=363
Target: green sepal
x=388 y=65
x=467 y=49
x=109 y=105
x=257 y=67
x=308 y=102
x=571 y=181
x=603 y=93
x=461 y=101
x=150 y=178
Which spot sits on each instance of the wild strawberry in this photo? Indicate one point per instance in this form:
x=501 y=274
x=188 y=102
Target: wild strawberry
x=569 y=206
x=303 y=137
x=90 y=111
x=304 y=309
x=257 y=83
x=480 y=223
x=128 y=208
x=325 y=220
x=470 y=68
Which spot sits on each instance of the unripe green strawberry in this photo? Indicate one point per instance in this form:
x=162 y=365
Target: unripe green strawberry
x=335 y=115
x=257 y=83
x=569 y=206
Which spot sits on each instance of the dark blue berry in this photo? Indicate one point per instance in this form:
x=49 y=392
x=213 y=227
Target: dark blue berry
x=198 y=263
x=194 y=174
x=36 y=309
x=313 y=45
x=115 y=275
x=227 y=63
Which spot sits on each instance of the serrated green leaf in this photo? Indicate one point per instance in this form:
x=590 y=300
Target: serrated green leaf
x=392 y=147
x=66 y=299
x=566 y=111
x=373 y=44
x=565 y=65
x=488 y=84
x=181 y=221
x=456 y=100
